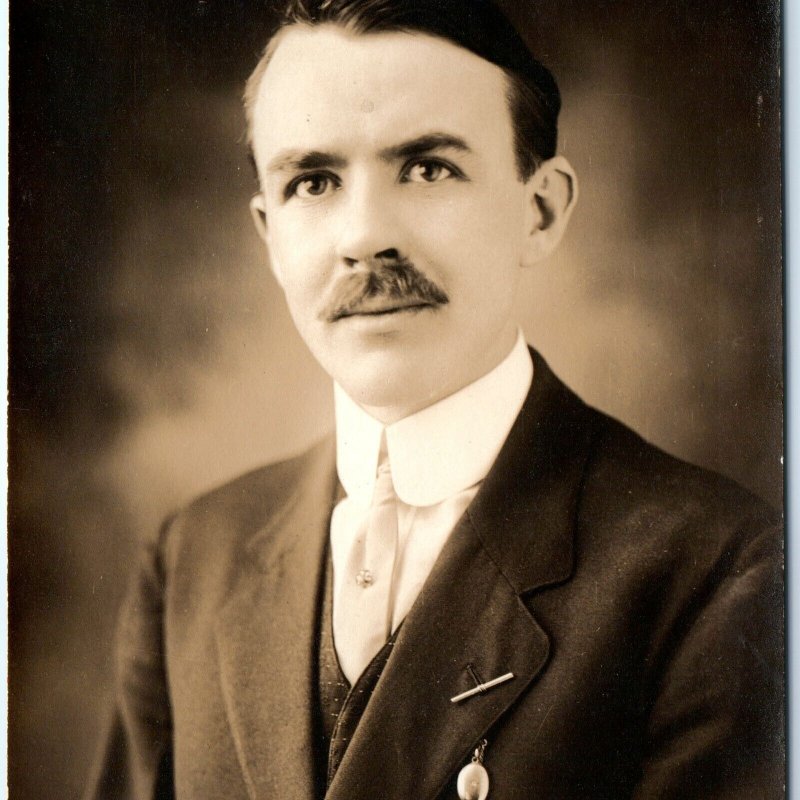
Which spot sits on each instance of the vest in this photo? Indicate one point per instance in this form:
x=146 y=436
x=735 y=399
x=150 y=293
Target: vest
x=339 y=707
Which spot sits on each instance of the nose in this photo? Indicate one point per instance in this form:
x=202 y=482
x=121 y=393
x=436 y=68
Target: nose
x=369 y=230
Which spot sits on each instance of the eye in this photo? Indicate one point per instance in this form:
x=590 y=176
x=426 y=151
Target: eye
x=308 y=187
x=428 y=171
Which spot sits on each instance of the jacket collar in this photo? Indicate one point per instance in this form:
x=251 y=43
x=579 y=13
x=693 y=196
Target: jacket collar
x=525 y=510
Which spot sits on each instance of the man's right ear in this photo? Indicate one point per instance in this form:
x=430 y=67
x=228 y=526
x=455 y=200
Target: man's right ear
x=258 y=210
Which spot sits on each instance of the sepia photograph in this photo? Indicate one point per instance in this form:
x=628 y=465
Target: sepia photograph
x=396 y=400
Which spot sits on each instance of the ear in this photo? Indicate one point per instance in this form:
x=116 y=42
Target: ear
x=258 y=210
x=551 y=194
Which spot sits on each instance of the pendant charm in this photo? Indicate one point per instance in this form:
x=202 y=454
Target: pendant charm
x=473 y=780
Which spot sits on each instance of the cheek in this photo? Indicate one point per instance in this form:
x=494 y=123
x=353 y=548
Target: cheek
x=475 y=238
x=299 y=258
x=499 y=220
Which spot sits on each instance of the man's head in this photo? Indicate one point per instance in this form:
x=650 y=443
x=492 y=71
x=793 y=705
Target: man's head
x=406 y=153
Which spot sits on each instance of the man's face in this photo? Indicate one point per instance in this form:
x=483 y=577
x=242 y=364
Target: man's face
x=395 y=217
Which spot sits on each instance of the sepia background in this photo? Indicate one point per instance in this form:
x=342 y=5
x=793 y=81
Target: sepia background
x=151 y=353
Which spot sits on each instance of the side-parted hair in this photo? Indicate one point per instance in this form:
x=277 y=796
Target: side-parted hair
x=476 y=25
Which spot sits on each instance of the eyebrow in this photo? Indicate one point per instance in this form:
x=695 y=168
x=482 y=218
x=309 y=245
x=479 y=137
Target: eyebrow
x=303 y=160
x=306 y=160
x=422 y=145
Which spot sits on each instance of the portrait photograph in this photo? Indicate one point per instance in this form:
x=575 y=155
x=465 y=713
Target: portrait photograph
x=396 y=400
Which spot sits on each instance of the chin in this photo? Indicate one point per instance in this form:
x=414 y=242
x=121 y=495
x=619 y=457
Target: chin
x=384 y=393
x=390 y=387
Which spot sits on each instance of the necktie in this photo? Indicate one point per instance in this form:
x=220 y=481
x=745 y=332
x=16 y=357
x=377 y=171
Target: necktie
x=362 y=609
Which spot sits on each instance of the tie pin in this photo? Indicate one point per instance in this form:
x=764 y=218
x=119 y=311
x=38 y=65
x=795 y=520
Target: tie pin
x=482 y=687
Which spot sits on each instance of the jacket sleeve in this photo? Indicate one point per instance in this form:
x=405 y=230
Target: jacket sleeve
x=716 y=726
x=135 y=758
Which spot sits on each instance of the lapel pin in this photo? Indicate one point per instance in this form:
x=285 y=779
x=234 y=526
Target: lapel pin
x=473 y=780
x=482 y=687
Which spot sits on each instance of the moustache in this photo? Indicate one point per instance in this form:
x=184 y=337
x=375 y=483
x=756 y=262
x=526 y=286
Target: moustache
x=396 y=281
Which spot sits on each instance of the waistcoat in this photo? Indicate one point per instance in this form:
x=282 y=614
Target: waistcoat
x=339 y=707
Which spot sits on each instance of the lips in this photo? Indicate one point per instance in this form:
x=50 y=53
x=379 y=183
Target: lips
x=383 y=306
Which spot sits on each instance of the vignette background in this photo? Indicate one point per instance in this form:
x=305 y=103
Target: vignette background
x=151 y=356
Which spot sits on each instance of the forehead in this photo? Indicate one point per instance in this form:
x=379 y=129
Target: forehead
x=324 y=84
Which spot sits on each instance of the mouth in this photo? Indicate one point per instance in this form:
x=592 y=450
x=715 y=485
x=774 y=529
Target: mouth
x=384 y=308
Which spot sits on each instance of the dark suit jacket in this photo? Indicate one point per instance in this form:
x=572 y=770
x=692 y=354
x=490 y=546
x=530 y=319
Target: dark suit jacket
x=636 y=599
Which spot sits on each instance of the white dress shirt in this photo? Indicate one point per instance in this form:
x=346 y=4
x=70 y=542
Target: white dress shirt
x=438 y=458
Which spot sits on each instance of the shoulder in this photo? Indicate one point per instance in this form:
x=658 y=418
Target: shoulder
x=251 y=495
x=636 y=509
x=657 y=515
x=621 y=480
x=626 y=474
x=218 y=525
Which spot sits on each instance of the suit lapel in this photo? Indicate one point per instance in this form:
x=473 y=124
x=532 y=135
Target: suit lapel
x=515 y=538
x=266 y=636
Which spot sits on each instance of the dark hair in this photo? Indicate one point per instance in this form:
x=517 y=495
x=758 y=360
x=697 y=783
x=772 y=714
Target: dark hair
x=476 y=25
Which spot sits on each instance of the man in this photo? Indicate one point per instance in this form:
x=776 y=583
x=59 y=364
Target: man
x=482 y=584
